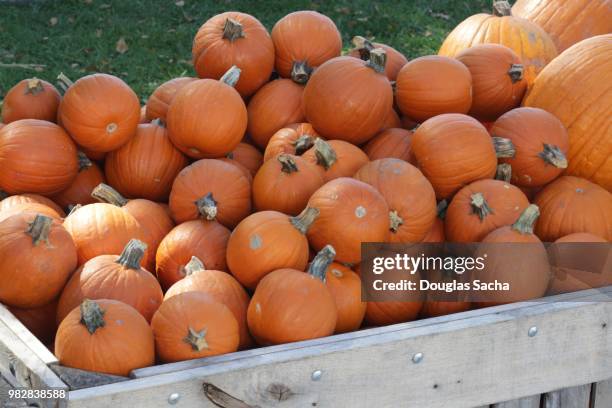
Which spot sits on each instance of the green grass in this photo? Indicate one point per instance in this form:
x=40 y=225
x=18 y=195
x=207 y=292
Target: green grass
x=79 y=37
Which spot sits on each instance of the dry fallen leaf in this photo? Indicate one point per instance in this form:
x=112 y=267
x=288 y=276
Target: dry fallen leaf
x=53 y=21
x=122 y=46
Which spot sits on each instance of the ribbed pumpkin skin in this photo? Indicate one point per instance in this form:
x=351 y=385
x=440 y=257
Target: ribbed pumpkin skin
x=304 y=36
x=31 y=99
x=349 y=159
x=37 y=275
x=390 y=143
x=30 y=208
x=124 y=343
x=345 y=287
x=453 y=150
x=567 y=21
x=391 y=121
x=433 y=85
x=36 y=157
x=146 y=166
x=436 y=232
x=276 y=105
x=386 y=313
x=79 y=192
x=40 y=321
x=570 y=88
x=571 y=204
x=346 y=99
x=100 y=112
x=16 y=200
x=283 y=141
x=248 y=156
x=207 y=118
x=213 y=55
x=395 y=59
x=159 y=101
x=206 y=240
x=494 y=91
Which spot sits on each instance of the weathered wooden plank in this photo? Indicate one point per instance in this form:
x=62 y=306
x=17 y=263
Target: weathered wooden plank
x=602 y=394
x=78 y=379
x=527 y=402
x=572 y=397
x=491 y=359
x=5 y=400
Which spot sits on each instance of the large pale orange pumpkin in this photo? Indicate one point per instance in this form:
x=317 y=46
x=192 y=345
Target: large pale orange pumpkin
x=79 y=192
x=572 y=88
x=159 y=101
x=31 y=99
x=336 y=157
x=395 y=59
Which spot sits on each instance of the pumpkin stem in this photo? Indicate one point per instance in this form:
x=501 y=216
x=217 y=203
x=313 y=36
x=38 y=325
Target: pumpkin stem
x=207 y=206
x=197 y=339
x=553 y=155
x=39 y=229
x=302 y=144
x=300 y=72
x=378 y=59
x=64 y=82
x=363 y=46
x=232 y=76
x=106 y=194
x=84 y=162
x=72 y=209
x=320 y=263
x=480 y=206
x=288 y=165
x=3 y=195
x=34 y=87
x=516 y=72
x=525 y=223
x=441 y=209
x=132 y=254
x=395 y=221
x=326 y=156
x=194 y=265
x=501 y=8
x=158 y=122
x=303 y=221
x=230 y=156
x=504 y=172
x=504 y=148
x=232 y=30
x=92 y=316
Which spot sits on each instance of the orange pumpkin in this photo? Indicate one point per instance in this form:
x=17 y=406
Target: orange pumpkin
x=40 y=321
x=100 y=112
x=213 y=190
x=571 y=204
x=17 y=200
x=206 y=240
x=159 y=101
x=222 y=287
x=46 y=258
x=114 y=277
x=207 y=118
x=349 y=99
x=436 y=232
x=437 y=304
x=345 y=287
x=96 y=156
x=36 y=157
x=194 y=325
x=395 y=59
x=79 y=192
x=248 y=156
x=337 y=157
x=453 y=150
x=294 y=139
x=120 y=335
x=146 y=166
x=276 y=105
x=497 y=79
x=31 y=99
x=30 y=208
x=285 y=184
x=481 y=207
x=350 y=212
x=290 y=305
x=234 y=38
x=391 y=121
x=390 y=143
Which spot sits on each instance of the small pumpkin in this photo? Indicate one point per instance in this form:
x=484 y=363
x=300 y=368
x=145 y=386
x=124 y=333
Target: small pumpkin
x=349 y=99
x=498 y=84
x=79 y=192
x=46 y=258
x=303 y=40
x=349 y=212
x=115 y=277
x=337 y=157
x=100 y=112
x=120 y=335
x=290 y=305
x=266 y=241
x=390 y=143
x=536 y=142
x=285 y=184
x=453 y=150
x=294 y=139
x=395 y=59
x=213 y=190
x=345 y=287
x=481 y=207
x=234 y=38
x=572 y=204
x=206 y=240
x=40 y=321
x=159 y=101
x=146 y=166
x=194 y=325
x=36 y=157
x=31 y=98
x=248 y=156
x=17 y=200
x=433 y=85
x=207 y=118
x=276 y=105
x=222 y=287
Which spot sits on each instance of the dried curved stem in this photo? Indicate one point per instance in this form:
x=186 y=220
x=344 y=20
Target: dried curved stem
x=39 y=229
x=303 y=221
x=525 y=223
x=207 y=206
x=196 y=339
x=288 y=165
x=300 y=72
x=516 y=72
x=325 y=154
x=502 y=8
x=320 y=263
x=378 y=59
x=35 y=86
x=504 y=172
x=106 y=194
x=194 y=265
x=554 y=156
x=480 y=207
x=132 y=254
x=303 y=143
x=92 y=316
x=232 y=30
x=395 y=221
x=504 y=148
x=232 y=76
x=84 y=162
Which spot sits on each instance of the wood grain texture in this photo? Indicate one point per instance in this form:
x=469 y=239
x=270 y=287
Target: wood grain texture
x=602 y=394
x=527 y=402
x=573 y=397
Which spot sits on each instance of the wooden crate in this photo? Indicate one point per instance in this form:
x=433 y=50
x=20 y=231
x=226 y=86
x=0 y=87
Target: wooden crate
x=552 y=353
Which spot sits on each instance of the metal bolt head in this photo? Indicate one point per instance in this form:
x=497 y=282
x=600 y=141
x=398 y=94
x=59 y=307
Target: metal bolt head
x=417 y=358
x=174 y=398
x=316 y=375
x=533 y=330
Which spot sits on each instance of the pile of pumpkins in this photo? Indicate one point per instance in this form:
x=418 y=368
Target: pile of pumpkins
x=229 y=211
